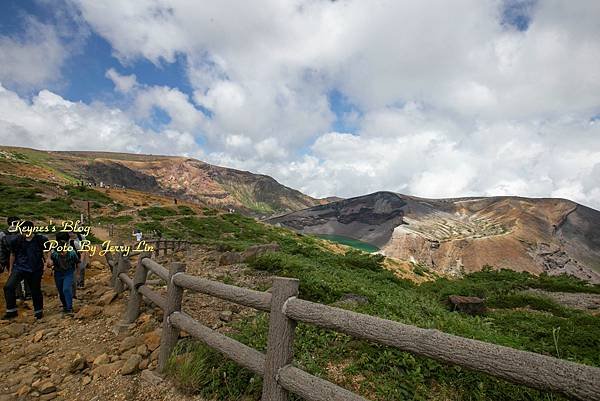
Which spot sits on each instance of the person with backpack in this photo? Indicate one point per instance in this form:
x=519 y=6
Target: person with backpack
x=64 y=263
x=5 y=254
x=30 y=257
x=22 y=290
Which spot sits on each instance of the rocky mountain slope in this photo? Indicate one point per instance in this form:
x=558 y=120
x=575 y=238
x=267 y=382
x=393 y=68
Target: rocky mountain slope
x=449 y=235
x=180 y=177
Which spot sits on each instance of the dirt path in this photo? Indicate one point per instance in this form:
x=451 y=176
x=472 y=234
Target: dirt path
x=576 y=300
x=83 y=358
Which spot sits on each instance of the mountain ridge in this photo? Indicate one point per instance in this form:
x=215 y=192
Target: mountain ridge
x=526 y=234
x=177 y=176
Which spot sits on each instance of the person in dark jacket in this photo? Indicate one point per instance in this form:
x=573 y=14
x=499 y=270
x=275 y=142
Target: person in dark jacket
x=64 y=263
x=4 y=249
x=30 y=258
x=22 y=290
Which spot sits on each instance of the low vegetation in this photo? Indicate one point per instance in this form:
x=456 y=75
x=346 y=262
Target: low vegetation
x=21 y=198
x=514 y=319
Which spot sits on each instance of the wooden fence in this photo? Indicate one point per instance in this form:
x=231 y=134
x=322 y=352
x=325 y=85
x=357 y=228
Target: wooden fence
x=280 y=377
x=166 y=245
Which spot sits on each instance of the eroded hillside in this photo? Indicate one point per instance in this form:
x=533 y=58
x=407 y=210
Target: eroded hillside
x=450 y=235
x=180 y=177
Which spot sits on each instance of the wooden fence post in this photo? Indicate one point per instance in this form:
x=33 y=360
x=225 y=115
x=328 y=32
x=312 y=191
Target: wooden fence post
x=123 y=266
x=165 y=243
x=135 y=298
x=170 y=334
x=157 y=248
x=280 y=350
x=112 y=263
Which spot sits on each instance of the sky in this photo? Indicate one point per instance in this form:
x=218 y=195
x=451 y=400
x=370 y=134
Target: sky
x=343 y=97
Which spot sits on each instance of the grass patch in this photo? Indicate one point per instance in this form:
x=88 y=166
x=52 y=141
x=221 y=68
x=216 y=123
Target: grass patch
x=117 y=220
x=380 y=373
x=185 y=210
x=27 y=203
x=157 y=213
x=88 y=194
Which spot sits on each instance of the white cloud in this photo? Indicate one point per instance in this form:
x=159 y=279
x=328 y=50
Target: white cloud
x=33 y=59
x=447 y=101
x=53 y=123
x=123 y=83
x=183 y=114
x=398 y=150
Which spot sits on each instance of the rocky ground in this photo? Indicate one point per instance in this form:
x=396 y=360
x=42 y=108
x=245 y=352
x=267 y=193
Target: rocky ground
x=84 y=357
x=581 y=301
x=92 y=356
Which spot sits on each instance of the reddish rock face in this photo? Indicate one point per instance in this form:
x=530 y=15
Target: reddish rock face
x=465 y=234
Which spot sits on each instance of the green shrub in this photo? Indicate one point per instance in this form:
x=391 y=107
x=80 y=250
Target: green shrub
x=185 y=210
x=87 y=194
x=157 y=213
x=117 y=220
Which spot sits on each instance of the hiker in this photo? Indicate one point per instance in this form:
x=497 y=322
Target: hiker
x=30 y=257
x=138 y=235
x=64 y=263
x=5 y=254
x=22 y=291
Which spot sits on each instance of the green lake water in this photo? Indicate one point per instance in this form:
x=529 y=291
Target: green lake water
x=363 y=246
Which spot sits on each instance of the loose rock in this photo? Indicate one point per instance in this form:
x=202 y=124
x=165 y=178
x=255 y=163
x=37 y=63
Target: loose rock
x=108 y=298
x=88 y=311
x=468 y=305
x=152 y=340
x=46 y=387
x=16 y=329
x=131 y=365
x=107 y=370
x=151 y=377
x=101 y=360
x=225 y=316
x=38 y=336
x=77 y=364
x=127 y=343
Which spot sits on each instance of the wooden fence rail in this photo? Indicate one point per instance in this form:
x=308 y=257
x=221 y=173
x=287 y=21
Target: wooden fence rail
x=166 y=245
x=280 y=377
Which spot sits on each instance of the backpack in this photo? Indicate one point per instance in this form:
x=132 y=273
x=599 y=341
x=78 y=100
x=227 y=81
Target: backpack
x=64 y=262
x=4 y=252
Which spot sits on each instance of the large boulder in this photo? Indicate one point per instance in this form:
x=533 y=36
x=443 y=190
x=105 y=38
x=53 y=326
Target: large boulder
x=230 y=258
x=258 y=250
x=468 y=305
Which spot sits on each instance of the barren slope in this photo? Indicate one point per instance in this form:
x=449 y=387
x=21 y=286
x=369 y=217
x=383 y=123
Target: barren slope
x=180 y=177
x=523 y=234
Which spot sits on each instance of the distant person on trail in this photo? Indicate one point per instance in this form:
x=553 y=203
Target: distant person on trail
x=138 y=235
x=30 y=257
x=64 y=264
